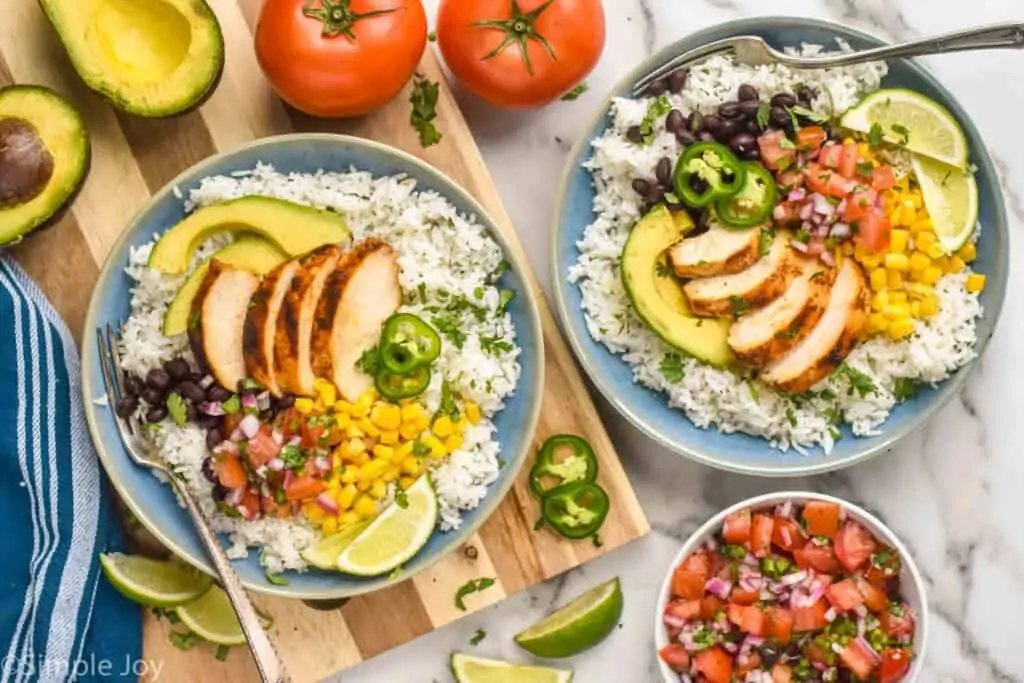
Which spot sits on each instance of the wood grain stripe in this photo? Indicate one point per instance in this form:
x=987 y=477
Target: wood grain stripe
x=300 y=628
x=164 y=147
x=5 y=73
x=378 y=621
x=438 y=585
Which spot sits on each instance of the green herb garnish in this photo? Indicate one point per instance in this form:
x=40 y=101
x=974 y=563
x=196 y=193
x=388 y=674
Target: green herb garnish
x=369 y=362
x=764 y=241
x=859 y=381
x=671 y=367
x=424 y=110
x=232 y=405
x=402 y=499
x=903 y=132
x=575 y=93
x=904 y=388
x=809 y=114
x=876 y=134
x=655 y=110
x=470 y=587
x=865 y=169
x=738 y=304
x=177 y=409
x=763 y=111
x=276 y=579
x=478 y=637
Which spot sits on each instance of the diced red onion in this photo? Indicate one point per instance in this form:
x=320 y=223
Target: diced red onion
x=828 y=258
x=806 y=211
x=750 y=584
x=786 y=509
x=793 y=579
x=288 y=478
x=326 y=503
x=753 y=641
x=276 y=464
x=731 y=648
x=322 y=464
x=841 y=208
x=830 y=614
x=711 y=544
x=822 y=205
x=840 y=230
x=277 y=436
x=718 y=587
x=779 y=212
x=674 y=621
x=237 y=435
x=249 y=402
x=244 y=511
x=212 y=408
x=295 y=441
x=797 y=195
x=866 y=646
x=819 y=665
x=686 y=639
x=234 y=496
x=798 y=245
x=249 y=426
x=861 y=611
x=749 y=559
x=206 y=382
x=263 y=400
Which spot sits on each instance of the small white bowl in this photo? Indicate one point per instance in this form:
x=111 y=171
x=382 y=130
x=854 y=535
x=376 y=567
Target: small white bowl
x=911 y=585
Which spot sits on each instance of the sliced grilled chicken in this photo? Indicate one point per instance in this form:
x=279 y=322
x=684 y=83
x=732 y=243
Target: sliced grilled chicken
x=261 y=325
x=831 y=340
x=728 y=295
x=217 y=320
x=770 y=332
x=360 y=295
x=295 y=321
x=718 y=251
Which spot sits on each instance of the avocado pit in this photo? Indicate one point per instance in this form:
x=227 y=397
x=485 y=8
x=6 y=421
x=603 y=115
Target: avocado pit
x=26 y=164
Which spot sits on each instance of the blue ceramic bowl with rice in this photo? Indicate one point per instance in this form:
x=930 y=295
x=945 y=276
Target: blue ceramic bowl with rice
x=154 y=503
x=647 y=409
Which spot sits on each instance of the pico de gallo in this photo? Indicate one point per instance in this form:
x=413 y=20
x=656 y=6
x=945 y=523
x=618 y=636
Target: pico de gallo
x=789 y=593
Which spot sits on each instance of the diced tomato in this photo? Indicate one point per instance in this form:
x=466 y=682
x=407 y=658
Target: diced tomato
x=816 y=246
x=782 y=674
x=885 y=565
x=689 y=578
x=747 y=662
x=787 y=213
x=830 y=155
x=810 y=618
x=811 y=137
x=854 y=545
x=775 y=154
x=301 y=488
x=761 y=535
x=262 y=448
x=230 y=472
x=844 y=595
x=859 y=205
x=787 y=534
x=749 y=618
x=883 y=178
x=686 y=610
x=715 y=663
x=859 y=658
x=780 y=624
x=736 y=527
x=895 y=665
x=249 y=506
x=743 y=597
x=848 y=160
x=676 y=656
x=874 y=598
x=790 y=179
x=231 y=421
x=709 y=606
x=873 y=231
x=820 y=558
x=893 y=624
x=822 y=518
x=827 y=182
x=289 y=423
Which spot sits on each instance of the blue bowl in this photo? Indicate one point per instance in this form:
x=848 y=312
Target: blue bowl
x=648 y=410
x=155 y=504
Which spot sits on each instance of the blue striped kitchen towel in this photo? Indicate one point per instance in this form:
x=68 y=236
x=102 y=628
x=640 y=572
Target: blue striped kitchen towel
x=60 y=620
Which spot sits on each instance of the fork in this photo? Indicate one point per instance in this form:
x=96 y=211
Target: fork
x=754 y=51
x=142 y=452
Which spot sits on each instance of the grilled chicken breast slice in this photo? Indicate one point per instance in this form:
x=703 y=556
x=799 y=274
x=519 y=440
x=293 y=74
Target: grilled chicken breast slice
x=217 y=321
x=728 y=295
x=360 y=295
x=770 y=332
x=831 y=340
x=718 y=251
x=295 y=321
x=261 y=325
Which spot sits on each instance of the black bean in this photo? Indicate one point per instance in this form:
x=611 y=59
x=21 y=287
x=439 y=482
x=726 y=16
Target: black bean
x=656 y=194
x=743 y=141
x=156 y=413
x=675 y=121
x=806 y=94
x=219 y=492
x=747 y=93
x=712 y=122
x=663 y=171
x=191 y=391
x=634 y=134
x=132 y=385
x=677 y=80
x=285 y=402
x=728 y=128
x=152 y=396
x=695 y=121
x=127 y=405
x=213 y=437
x=705 y=136
x=685 y=137
x=177 y=368
x=752 y=154
x=750 y=108
x=158 y=379
x=641 y=187
x=778 y=116
x=207 y=421
x=750 y=127
x=267 y=415
x=656 y=88
x=191 y=412
x=196 y=377
x=729 y=110
x=784 y=99
x=217 y=393
x=207 y=468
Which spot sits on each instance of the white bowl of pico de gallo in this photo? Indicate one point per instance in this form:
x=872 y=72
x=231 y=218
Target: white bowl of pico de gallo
x=792 y=587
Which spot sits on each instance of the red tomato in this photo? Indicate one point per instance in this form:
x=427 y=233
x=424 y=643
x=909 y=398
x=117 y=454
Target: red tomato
x=686 y=610
x=761 y=535
x=827 y=182
x=901 y=624
x=787 y=213
x=780 y=624
x=782 y=674
x=249 y=506
x=854 y=545
x=848 y=160
x=885 y=565
x=289 y=423
x=787 y=534
x=822 y=518
x=262 y=447
x=303 y=487
x=811 y=137
x=859 y=658
x=563 y=42
x=676 y=656
x=820 y=558
x=874 y=598
x=736 y=527
x=230 y=472
x=873 y=231
x=830 y=155
x=709 y=606
x=340 y=67
x=859 y=205
x=895 y=665
x=844 y=595
x=749 y=618
x=742 y=597
x=773 y=154
x=810 y=618
x=789 y=180
x=883 y=178
x=689 y=578
x=715 y=663
x=747 y=662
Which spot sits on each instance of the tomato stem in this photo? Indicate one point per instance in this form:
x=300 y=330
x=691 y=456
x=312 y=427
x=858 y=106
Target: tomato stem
x=337 y=16
x=519 y=30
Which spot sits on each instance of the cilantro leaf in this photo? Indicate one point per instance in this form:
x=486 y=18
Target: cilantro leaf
x=177 y=409
x=875 y=135
x=575 y=93
x=424 y=110
x=470 y=587
x=671 y=367
x=903 y=132
x=478 y=636
x=904 y=388
x=402 y=499
x=369 y=362
x=809 y=114
x=859 y=381
x=656 y=109
x=764 y=241
x=738 y=304
x=763 y=111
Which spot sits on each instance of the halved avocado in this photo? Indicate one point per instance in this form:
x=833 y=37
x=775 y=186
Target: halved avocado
x=44 y=156
x=148 y=57
x=251 y=253
x=294 y=228
x=703 y=338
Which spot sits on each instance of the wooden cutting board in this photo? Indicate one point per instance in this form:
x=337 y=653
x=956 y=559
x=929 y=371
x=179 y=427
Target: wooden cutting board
x=132 y=158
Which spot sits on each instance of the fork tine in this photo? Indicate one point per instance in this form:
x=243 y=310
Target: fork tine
x=681 y=60
x=113 y=390
x=115 y=356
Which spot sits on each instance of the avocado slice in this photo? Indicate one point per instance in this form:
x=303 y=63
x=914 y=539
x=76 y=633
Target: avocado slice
x=44 y=157
x=248 y=252
x=662 y=305
x=150 y=58
x=294 y=228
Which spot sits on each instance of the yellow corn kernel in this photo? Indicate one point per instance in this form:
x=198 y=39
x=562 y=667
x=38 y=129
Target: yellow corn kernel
x=908 y=214
x=864 y=150
x=383 y=452
x=879 y=279
x=348 y=519
x=919 y=261
x=443 y=426
x=897 y=261
x=895 y=279
x=372 y=469
x=898 y=329
x=929 y=307
x=356 y=446
x=404 y=450
x=915 y=275
x=362 y=458
x=325 y=391
x=932 y=274
x=406 y=482
x=389 y=437
x=343 y=420
x=898 y=297
x=847 y=140
x=916 y=201
x=921 y=226
x=925 y=240
x=353 y=431
x=880 y=300
x=860 y=253
x=365 y=507
x=919 y=290
x=330 y=525
x=386 y=415
x=333 y=485
x=847 y=248
x=877 y=322
x=915 y=309
x=935 y=251
x=956 y=264
x=872 y=260
x=896 y=311
x=472 y=412
x=378 y=489
x=411 y=466
x=453 y=443
x=304 y=405
x=411 y=412
x=361 y=408
x=408 y=431
x=363 y=485
x=370 y=429
x=435 y=446
x=390 y=474
x=968 y=252
x=343 y=406
x=898 y=240
x=975 y=282
x=314 y=513
x=348 y=475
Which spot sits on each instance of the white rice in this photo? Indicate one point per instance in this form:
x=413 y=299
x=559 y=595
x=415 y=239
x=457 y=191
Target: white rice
x=444 y=255
x=718 y=398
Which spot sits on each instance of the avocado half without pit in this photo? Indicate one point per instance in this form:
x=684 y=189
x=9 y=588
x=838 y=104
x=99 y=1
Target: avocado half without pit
x=44 y=156
x=152 y=58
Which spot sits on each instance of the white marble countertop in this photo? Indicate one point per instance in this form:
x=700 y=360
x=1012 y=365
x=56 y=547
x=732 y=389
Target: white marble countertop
x=954 y=492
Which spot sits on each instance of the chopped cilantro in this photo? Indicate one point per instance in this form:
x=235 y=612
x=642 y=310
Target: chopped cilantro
x=786 y=143
x=232 y=405
x=402 y=499
x=764 y=241
x=432 y=36
x=865 y=169
x=791 y=417
x=809 y=114
x=902 y=131
x=904 y=388
x=504 y=298
x=222 y=653
x=424 y=110
x=177 y=409
x=478 y=637
x=655 y=110
x=575 y=93
x=293 y=456
x=495 y=345
x=470 y=587
x=738 y=304
x=598 y=541
x=369 y=362
x=859 y=381
x=788 y=334
x=448 y=324
x=802 y=235
x=662 y=270
x=184 y=641
x=763 y=111
x=876 y=135
x=671 y=367
x=448 y=406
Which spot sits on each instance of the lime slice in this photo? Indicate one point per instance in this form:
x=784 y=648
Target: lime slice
x=324 y=555
x=951 y=197
x=396 y=535
x=578 y=626
x=468 y=669
x=212 y=618
x=921 y=124
x=154 y=583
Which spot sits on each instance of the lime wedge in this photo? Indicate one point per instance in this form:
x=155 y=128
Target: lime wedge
x=468 y=669
x=923 y=125
x=154 y=583
x=951 y=197
x=212 y=618
x=324 y=555
x=396 y=535
x=578 y=626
